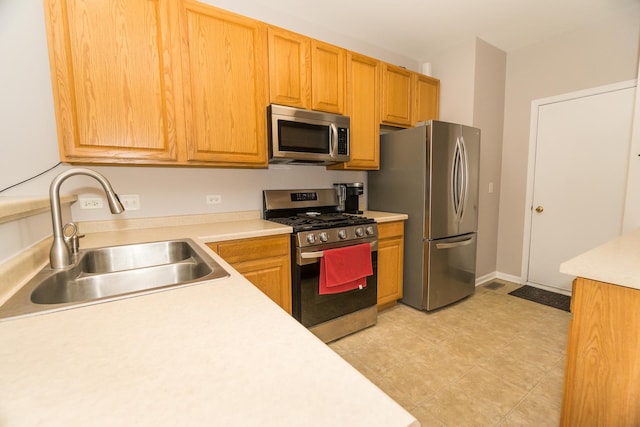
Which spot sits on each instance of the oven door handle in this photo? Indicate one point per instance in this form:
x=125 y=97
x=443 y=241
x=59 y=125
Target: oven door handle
x=320 y=254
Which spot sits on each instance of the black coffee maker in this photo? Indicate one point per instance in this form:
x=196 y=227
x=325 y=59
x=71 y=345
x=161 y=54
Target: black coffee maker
x=349 y=196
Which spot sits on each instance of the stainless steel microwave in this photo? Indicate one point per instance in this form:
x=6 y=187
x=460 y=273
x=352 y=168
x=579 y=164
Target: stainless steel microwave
x=299 y=136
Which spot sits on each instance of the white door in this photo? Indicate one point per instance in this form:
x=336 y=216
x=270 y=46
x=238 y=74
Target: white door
x=581 y=158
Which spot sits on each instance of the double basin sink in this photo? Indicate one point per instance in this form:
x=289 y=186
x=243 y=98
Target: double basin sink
x=109 y=273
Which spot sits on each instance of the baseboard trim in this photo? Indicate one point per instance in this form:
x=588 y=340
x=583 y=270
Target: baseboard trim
x=484 y=279
x=497 y=275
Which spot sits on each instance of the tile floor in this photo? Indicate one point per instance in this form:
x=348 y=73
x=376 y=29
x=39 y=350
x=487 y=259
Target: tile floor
x=490 y=360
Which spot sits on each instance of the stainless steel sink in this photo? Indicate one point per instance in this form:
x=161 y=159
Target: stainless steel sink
x=109 y=273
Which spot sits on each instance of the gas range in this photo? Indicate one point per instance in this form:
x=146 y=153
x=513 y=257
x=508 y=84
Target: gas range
x=315 y=219
x=319 y=228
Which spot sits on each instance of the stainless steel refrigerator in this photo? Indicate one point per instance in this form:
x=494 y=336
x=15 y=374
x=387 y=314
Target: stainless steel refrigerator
x=430 y=172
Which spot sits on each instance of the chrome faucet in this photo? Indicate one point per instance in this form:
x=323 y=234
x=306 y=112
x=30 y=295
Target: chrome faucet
x=60 y=255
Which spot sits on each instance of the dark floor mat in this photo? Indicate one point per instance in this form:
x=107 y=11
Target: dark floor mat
x=541 y=296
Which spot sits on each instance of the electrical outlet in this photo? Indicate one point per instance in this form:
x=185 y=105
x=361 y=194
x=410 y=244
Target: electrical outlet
x=131 y=202
x=90 y=203
x=214 y=199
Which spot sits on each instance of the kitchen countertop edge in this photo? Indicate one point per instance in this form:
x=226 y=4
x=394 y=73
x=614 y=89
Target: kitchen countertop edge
x=616 y=262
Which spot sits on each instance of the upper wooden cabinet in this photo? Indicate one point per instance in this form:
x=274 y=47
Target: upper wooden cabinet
x=408 y=97
x=289 y=68
x=179 y=82
x=426 y=98
x=115 y=79
x=225 y=68
x=327 y=77
x=306 y=73
x=363 y=107
x=397 y=95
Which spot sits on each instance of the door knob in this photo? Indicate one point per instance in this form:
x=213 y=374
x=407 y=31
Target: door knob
x=539 y=209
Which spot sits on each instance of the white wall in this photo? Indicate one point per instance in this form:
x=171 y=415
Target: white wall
x=28 y=143
x=488 y=115
x=595 y=55
x=631 y=219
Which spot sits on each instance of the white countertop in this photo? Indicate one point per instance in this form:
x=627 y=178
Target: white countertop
x=616 y=262
x=218 y=353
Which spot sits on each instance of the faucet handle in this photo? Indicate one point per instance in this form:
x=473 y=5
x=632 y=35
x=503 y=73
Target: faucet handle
x=72 y=239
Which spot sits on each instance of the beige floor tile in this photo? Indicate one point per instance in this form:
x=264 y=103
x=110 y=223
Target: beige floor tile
x=490 y=390
x=453 y=407
x=491 y=359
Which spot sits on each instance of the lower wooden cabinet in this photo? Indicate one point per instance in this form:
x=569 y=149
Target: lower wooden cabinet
x=390 y=262
x=602 y=369
x=264 y=261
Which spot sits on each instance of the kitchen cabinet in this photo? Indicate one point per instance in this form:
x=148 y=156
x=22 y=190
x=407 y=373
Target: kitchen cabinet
x=390 y=263
x=264 y=261
x=363 y=108
x=327 y=77
x=397 y=95
x=116 y=80
x=426 y=98
x=602 y=375
x=289 y=68
x=157 y=82
x=306 y=73
x=225 y=68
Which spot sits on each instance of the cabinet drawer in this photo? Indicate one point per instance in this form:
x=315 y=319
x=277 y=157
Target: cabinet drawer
x=390 y=229
x=234 y=251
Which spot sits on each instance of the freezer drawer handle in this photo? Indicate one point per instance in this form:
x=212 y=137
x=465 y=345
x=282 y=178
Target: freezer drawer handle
x=320 y=254
x=454 y=244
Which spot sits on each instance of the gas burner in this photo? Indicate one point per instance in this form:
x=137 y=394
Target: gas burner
x=304 y=221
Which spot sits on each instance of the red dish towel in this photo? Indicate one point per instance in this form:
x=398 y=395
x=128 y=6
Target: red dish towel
x=344 y=269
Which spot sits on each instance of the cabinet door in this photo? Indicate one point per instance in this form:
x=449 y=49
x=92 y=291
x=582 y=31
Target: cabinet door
x=390 y=262
x=268 y=275
x=363 y=107
x=225 y=62
x=115 y=81
x=289 y=68
x=397 y=95
x=328 y=77
x=427 y=98
x=602 y=378
x=264 y=261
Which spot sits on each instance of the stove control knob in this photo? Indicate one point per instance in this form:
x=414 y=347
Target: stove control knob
x=311 y=238
x=359 y=232
x=324 y=236
x=369 y=230
x=342 y=234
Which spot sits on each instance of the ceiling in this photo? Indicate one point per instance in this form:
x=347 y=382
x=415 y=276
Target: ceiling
x=419 y=29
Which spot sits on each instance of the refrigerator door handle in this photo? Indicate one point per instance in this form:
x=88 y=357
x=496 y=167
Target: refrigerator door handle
x=457 y=180
x=454 y=244
x=465 y=177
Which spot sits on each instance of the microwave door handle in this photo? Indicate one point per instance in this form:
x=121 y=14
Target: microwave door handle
x=333 y=140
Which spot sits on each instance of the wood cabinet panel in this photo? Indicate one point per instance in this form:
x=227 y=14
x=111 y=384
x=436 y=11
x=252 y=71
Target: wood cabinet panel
x=397 y=95
x=226 y=59
x=602 y=373
x=427 y=98
x=289 y=68
x=115 y=79
x=264 y=261
x=363 y=108
x=328 y=77
x=390 y=263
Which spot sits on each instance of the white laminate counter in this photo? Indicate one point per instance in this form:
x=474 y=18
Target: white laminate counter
x=217 y=353
x=616 y=262
x=381 y=217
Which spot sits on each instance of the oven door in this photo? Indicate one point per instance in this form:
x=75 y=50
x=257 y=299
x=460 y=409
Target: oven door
x=310 y=308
